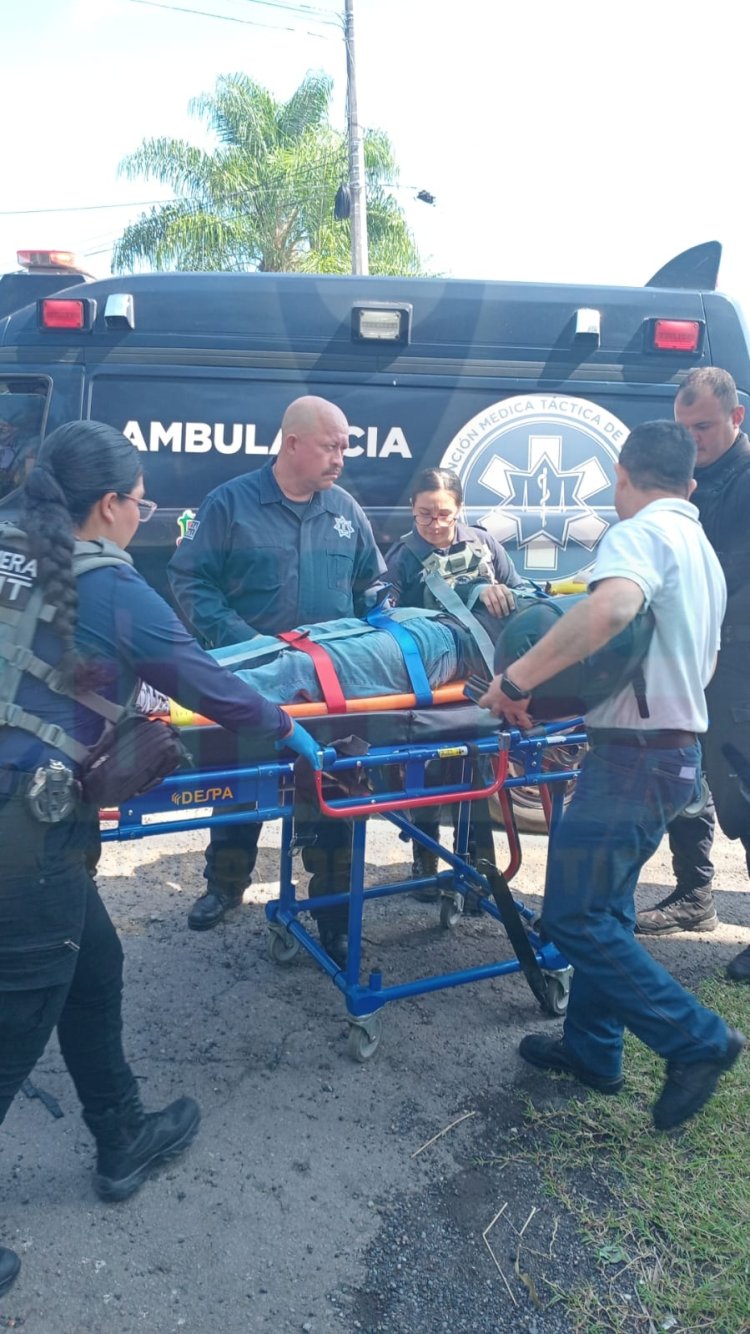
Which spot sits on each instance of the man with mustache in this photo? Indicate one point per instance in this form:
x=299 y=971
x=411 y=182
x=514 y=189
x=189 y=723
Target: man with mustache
x=279 y=547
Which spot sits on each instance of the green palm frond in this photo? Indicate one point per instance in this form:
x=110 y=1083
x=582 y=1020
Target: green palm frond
x=264 y=197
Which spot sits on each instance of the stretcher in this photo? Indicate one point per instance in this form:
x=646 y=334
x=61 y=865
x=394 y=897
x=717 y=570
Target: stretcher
x=385 y=773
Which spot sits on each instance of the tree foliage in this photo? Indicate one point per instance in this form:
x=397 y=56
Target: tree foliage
x=263 y=199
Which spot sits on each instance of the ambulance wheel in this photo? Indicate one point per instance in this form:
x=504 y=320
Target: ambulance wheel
x=282 y=946
x=450 y=913
x=527 y=803
x=362 y=1042
x=556 y=998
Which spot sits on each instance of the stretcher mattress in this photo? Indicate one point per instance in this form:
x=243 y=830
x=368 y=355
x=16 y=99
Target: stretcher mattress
x=213 y=747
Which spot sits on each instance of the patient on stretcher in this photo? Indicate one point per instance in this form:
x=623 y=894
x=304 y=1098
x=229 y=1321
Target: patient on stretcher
x=367 y=661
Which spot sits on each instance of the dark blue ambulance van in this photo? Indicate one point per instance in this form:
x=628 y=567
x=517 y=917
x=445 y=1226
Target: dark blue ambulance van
x=526 y=390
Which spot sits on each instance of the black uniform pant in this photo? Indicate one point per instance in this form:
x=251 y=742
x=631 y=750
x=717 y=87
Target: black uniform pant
x=326 y=855
x=481 y=842
x=690 y=842
x=60 y=960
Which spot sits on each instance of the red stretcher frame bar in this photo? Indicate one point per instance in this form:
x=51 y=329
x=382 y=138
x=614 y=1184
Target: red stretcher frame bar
x=350 y=810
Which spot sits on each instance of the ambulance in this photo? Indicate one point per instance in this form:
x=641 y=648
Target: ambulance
x=526 y=390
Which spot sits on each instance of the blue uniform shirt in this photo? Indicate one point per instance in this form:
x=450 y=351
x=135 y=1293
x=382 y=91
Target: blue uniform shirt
x=132 y=635
x=255 y=562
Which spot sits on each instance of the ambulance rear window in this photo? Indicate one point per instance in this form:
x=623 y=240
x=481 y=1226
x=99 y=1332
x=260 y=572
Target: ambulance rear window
x=22 y=406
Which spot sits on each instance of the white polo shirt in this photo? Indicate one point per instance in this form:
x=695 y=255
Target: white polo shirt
x=664 y=550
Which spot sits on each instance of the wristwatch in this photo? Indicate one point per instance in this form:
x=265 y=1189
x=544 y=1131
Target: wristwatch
x=513 y=691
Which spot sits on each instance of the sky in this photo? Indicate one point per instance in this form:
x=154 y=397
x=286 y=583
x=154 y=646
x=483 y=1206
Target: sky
x=563 y=142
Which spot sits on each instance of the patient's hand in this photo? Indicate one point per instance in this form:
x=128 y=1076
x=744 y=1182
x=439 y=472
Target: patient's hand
x=498 y=599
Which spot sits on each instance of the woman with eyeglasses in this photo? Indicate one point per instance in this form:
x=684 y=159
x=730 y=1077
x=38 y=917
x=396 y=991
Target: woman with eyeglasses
x=474 y=560
x=60 y=957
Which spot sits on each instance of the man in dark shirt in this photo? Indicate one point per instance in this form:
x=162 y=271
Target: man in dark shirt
x=708 y=406
x=280 y=547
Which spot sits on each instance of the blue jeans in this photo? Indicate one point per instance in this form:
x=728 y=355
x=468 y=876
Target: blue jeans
x=624 y=799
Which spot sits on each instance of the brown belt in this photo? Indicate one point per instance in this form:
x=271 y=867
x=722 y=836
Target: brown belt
x=666 y=739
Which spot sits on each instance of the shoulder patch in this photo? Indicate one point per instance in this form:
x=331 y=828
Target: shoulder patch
x=344 y=527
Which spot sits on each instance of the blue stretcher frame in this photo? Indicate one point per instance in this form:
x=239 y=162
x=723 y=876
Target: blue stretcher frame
x=268 y=788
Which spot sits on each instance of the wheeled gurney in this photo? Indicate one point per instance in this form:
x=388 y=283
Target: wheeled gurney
x=384 y=773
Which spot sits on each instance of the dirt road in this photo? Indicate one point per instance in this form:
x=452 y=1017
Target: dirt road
x=304 y=1204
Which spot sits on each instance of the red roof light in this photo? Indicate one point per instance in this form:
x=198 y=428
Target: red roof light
x=677 y=335
x=50 y=259
x=57 y=314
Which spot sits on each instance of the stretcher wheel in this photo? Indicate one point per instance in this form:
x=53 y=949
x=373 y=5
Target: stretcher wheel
x=451 y=912
x=363 y=1042
x=282 y=946
x=557 y=989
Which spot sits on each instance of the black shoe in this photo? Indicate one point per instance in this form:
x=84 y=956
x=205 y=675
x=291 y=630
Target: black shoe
x=131 y=1143
x=210 y=908
x=552 y=1054
x=691 y=910
x=336 y=945
x=689 y=1087
x=738 y=968
x=473 y=904
x=9 y=1268
x=424 y=866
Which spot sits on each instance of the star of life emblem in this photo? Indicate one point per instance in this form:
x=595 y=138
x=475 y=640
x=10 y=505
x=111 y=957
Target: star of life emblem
x=538 y=470
x=344 y=527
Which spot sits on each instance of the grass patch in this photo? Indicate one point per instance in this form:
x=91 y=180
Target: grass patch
x=669 y=1227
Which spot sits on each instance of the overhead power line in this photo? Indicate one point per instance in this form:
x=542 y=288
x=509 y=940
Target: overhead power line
x=227 y=18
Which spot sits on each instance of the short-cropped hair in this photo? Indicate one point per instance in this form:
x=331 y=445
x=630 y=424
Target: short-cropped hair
x=709 y=380
x=659 y=456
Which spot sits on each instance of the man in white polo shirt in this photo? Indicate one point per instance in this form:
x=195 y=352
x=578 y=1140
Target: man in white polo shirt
x=637 y=775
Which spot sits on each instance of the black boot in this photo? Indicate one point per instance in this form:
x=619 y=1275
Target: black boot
x=9 y=1267
x=130 y=1143
x=682 y=910
x=335 y=942
x=210 y=909
x=739 y=967
x=425 y=865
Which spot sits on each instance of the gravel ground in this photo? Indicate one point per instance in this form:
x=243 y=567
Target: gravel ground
x=304 y=1204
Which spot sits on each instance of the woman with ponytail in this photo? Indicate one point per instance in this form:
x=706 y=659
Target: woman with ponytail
x=60 y=957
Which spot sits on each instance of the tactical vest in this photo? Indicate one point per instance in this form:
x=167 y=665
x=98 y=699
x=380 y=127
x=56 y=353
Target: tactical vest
x=22 y=611
x=470 y=562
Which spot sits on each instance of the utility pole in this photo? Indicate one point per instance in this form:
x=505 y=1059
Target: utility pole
x=360 y=262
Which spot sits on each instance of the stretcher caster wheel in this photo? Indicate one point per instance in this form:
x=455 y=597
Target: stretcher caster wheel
x=282 y=945
x=364 y=1037
x=451 y=910
x=557 y=987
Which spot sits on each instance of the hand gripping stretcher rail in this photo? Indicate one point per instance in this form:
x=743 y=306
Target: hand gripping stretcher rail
x=384 y=773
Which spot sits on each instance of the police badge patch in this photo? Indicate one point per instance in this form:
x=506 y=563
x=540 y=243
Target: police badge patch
x=188 y=526
x=344 y=527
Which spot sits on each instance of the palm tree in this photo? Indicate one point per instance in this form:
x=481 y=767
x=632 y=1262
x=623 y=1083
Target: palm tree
x=264 y=198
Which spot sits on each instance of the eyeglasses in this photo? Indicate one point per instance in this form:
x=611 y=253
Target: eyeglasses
x=432 y=516
x=145 y=507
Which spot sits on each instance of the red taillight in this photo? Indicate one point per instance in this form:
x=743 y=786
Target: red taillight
x=57 y=314
x=677 y=335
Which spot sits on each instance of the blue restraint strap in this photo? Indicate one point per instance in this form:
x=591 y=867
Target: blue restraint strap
x=410 y=650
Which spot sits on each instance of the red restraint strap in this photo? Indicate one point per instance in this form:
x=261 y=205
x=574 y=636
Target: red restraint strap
x=325 y=671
